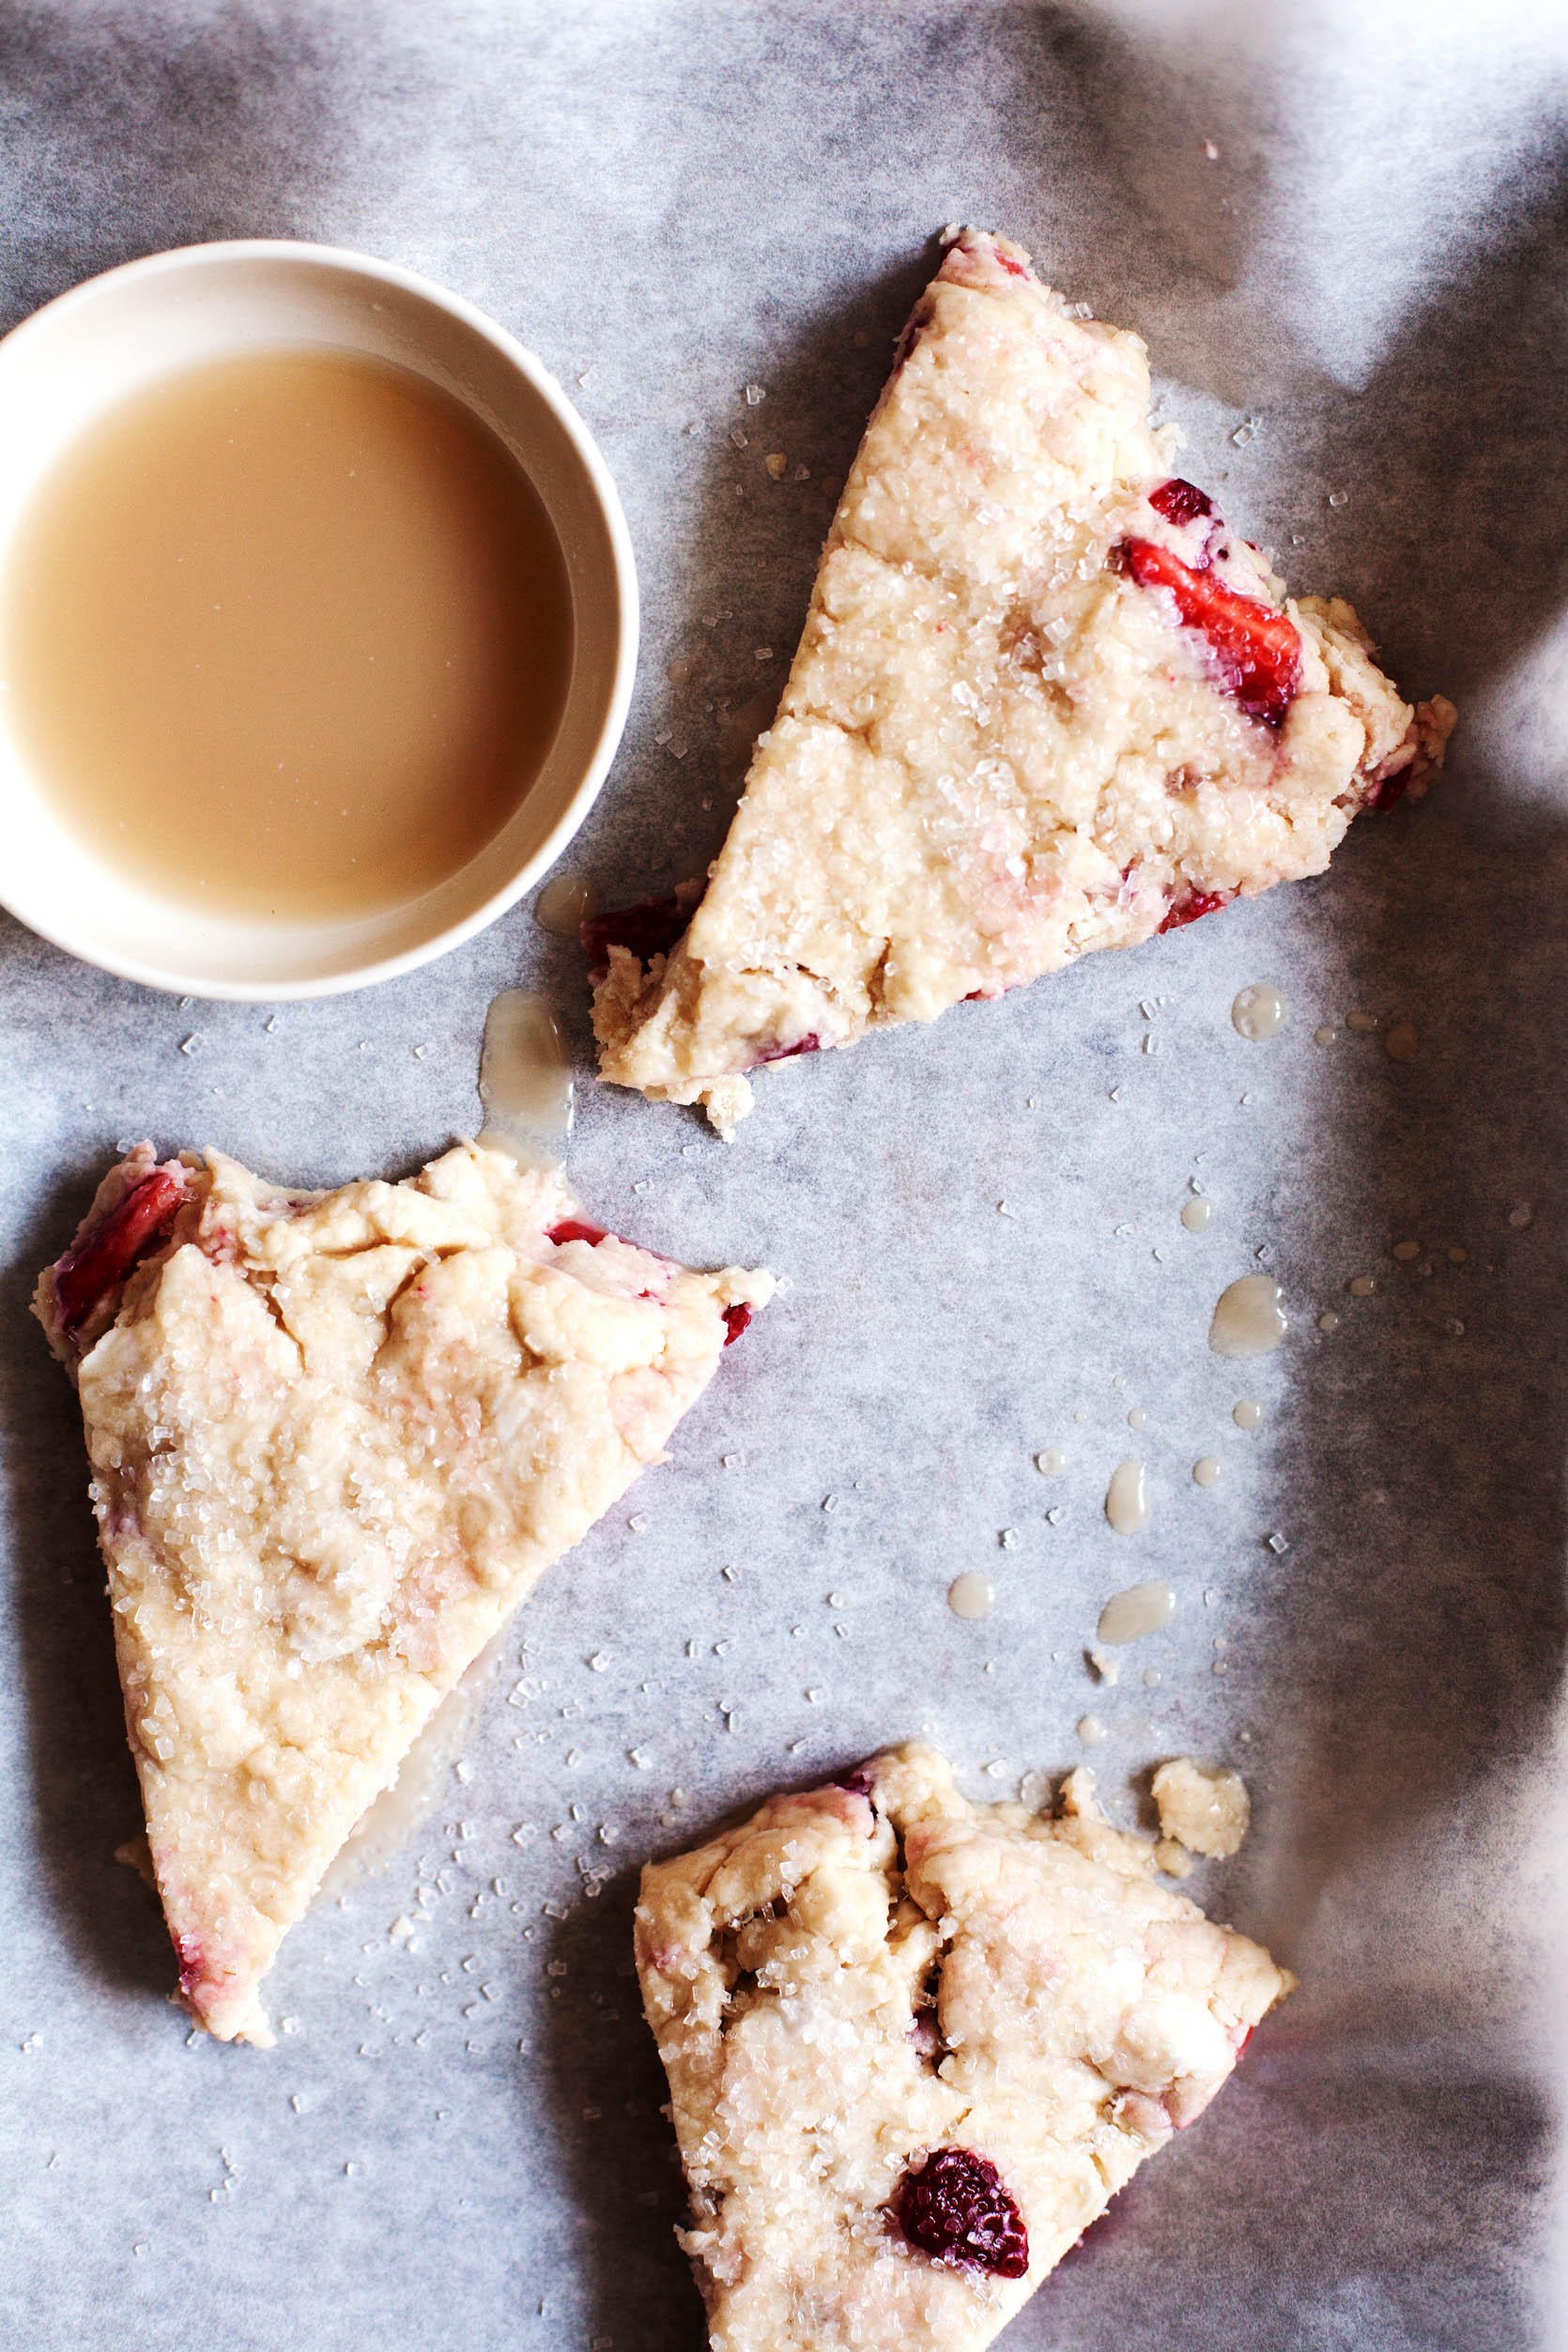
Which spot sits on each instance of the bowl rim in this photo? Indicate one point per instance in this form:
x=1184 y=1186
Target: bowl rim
x=148 y=973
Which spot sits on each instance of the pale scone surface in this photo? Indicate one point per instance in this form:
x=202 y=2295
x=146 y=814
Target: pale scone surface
x=997 y=750
x=869 y=1971
x=334 y=1440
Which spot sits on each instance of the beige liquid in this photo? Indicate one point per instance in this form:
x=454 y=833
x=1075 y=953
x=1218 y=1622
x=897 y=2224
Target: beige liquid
x=1258 y=1013
x=525 y=1081
x=1249 y=1319
x=286 y=635
x=972 y=1595
x=1142 y=1609
x=565 y=904
x=1127 y=1500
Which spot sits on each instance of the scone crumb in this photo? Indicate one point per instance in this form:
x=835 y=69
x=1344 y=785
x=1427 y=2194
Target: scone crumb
x=1173 y=1858
x=1204 y=1807
x=136 y=1854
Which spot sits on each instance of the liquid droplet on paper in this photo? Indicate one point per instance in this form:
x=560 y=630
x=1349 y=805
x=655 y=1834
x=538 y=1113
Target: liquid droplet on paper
x=1197 y=1215
x=1406 y=1251
x=1327 y=1320
x=525 y=1081
x=1401 y=1043
x=1141 y=1609
x=1205 y=1471
x=1363 y=1024
x=1052 y=1463
x=973 y=1594
x=1249 y=1319
x=1257 y=1012
x=1127 y=1500
x=1248 y=1413
x=1137 y=1419
x=1326 y=1036
x=1362 y=1286
x=565 y=904
x=1090 y=1728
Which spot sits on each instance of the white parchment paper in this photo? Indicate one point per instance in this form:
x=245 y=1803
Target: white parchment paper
x=1355 y=306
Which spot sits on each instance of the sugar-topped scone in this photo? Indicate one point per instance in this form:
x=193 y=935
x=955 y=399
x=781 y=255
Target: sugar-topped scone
x=334 y=1438
x=1045 y=701
x=914 y=2046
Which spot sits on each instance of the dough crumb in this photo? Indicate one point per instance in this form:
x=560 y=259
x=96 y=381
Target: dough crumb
x=1172 y=1857
x=1204 y=1807
x=136 y=1854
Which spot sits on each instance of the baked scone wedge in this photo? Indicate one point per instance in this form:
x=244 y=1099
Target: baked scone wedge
x=334 y=1440
x=914 y=2046
x=1044 y=702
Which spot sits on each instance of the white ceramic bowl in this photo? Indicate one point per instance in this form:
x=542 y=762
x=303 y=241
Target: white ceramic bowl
x=83 y=353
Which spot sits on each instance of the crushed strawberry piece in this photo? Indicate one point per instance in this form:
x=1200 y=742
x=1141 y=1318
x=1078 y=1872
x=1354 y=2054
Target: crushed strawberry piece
x=648 y=930
x=102 y=1258
x=735 y=1320
x=576 y=1229
x=811 y=1043
x=1013 y=269
x=1180 y=501
x=192 y=1962
x=1196 y=904
x=1386 y=791
x=1257 y=649
x=955 y=2208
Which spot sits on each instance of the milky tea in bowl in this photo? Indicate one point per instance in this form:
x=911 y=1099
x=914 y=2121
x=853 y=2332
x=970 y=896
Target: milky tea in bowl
x=286 y=634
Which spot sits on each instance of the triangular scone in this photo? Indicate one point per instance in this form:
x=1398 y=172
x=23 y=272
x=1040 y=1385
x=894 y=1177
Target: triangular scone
x=914 y=2046
x=1043 y=703
x=334 y=1440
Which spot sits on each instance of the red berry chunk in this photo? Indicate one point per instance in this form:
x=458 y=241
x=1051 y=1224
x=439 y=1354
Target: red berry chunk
x=1180 y=501
x=1257 y=649
x=576 y=1229
x=1391 y=789
x=1195 y=903
x=735 y=1321
x=648 y=930
x=811 y=1043
x=105 y=1256
x=956 y=2209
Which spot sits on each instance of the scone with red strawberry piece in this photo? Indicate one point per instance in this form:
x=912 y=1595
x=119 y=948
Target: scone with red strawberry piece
x=1045 y=701
x=914 y=2046
x=334 y=1440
